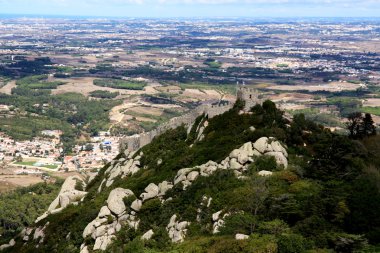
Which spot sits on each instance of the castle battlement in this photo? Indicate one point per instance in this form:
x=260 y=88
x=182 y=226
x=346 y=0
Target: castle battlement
x=137 y=141
x=249 y=95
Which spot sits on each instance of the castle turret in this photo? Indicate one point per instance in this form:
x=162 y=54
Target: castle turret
x=249 y=95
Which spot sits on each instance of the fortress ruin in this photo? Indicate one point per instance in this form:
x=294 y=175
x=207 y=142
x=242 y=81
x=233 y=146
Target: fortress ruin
x=137 y=141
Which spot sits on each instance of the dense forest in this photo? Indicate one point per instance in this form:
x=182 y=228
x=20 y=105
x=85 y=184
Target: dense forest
x=21 y=207
x=327 y=200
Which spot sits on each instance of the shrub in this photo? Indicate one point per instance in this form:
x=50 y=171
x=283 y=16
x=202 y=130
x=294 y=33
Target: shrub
x=264 y=163
x=242 y=223
x=291 y=243
x=274 y=227
x=103 y=94
x=120 y=84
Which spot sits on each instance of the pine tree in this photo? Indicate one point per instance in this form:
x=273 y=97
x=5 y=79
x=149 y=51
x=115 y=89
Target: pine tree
x=368 y=126
x=355 y=120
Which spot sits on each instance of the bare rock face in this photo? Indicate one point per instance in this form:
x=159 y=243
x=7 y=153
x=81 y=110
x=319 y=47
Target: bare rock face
x=270 y=146
x=265 y=173
x=262 y=145
x=11 y=243
x=110 y=219
x=148 y=235
x=121 y=168
x=136 y=205
x=163 y=187
x=115 y=200
x=84 y=250
x=208 y=168
x=89 y=229
x=104 y=211
x=277 y=147
x=235 y=165
x=192 y=175
x=113 y=216
x=215 y=216
x=102 y=242
x=68 y=193
x=177 y=230
x=241 y=237
x=151 y=191
x=181 y=175
x=218 y=220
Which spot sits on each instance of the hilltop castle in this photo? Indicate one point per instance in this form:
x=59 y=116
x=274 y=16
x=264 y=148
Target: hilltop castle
x=249 y=95
x=135 y=142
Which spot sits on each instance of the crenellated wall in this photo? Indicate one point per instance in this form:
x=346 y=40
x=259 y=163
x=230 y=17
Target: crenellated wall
x=137 y=141
x=249 y=95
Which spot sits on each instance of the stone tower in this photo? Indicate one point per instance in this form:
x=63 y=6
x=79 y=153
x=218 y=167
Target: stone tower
x=249 y=95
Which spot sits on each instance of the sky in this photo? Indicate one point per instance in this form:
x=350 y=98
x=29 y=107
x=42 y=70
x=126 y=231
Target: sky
x=194 y=8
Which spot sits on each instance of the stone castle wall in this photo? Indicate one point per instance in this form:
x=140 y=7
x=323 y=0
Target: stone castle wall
x=249 y=95
x=137 y=141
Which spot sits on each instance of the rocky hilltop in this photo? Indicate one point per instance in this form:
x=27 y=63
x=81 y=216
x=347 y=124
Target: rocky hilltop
x=242 y=181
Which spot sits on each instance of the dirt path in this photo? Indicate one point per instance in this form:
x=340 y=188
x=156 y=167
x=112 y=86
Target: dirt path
x=116 y=114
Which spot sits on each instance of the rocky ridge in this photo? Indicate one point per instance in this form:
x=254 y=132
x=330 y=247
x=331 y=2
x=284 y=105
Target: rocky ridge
x=113 y=216
x=122 y=205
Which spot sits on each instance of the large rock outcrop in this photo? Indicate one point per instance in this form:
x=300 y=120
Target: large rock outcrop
x=121 y=168
x=177 y=230
x=238 y=160
x=111 y=218
x=67 y=195
x=116 y=214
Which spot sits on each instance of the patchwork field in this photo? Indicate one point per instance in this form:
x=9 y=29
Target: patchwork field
x=85 y=85
x=371 y=102
x=10 y=182
x=332 y=87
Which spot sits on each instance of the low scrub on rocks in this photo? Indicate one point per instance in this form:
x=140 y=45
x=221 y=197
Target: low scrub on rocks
x=239 y=182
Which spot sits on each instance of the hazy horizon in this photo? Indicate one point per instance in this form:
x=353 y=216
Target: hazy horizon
x=194 y=8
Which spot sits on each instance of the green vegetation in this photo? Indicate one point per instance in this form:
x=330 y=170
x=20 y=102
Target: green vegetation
x=282 y=65
x=24 y=67
x=120 y=84
x=327 y=200
x=64 y=69
x=325 y=119
x=371 y=110
x=27 y=127
x=103 y=94
x=359 y=126
x=72 y=113
x=346 y=105
x=212 y=63
x=21 y=207
x=102 y=67
x=38 y=82
x=4 y=81
x=34 y=164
